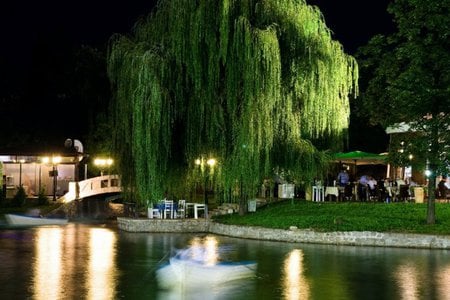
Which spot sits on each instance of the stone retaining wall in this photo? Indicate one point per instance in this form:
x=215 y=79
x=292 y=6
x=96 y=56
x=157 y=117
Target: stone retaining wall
x=353 y=238
x=163 y=225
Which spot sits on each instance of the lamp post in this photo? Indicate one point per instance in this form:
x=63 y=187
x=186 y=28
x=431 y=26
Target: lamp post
x=103 y=163
x=21 y=161
x=204 y=163
x=55 y=160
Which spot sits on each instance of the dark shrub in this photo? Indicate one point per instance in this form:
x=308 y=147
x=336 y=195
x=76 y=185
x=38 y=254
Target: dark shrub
x=20 y=197
x=42 y=197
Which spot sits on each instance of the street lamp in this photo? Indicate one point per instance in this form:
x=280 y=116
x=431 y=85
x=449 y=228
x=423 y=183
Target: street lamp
x=21 y=161
x=203 y=163
x=103 y=163
x=55 y=160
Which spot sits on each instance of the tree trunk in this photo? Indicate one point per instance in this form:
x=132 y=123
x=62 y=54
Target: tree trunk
x=242 y=202
x=431 y=215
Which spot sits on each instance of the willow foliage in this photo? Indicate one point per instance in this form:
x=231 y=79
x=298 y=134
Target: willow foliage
x=249 y=82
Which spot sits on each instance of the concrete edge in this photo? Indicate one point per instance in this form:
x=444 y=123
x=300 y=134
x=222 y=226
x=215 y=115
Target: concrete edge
x=351 y=238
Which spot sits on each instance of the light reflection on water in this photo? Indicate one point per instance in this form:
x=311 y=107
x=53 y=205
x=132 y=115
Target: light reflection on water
x=99 y=262
x=204 y=250
x=443 y=280
x=56 y=262
x=47 y=264
x=295 y=284
x=408 y=281
x=411 y=278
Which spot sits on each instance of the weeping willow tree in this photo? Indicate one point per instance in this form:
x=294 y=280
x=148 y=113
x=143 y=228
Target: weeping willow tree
x=252 y=83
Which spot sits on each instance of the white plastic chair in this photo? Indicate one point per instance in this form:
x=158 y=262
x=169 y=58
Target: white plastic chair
x=168 y=209
x=181 y=209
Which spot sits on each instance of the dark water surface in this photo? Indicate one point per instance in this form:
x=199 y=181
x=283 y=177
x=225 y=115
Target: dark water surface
x=80 y=261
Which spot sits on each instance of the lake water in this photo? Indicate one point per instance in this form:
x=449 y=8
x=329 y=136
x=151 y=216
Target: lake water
x=97 y=261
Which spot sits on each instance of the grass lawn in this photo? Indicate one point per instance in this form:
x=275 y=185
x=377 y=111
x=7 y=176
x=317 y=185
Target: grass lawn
x=347 y=216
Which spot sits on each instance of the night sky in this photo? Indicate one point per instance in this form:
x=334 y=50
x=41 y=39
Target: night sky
x=27 y=25
x=24 y=23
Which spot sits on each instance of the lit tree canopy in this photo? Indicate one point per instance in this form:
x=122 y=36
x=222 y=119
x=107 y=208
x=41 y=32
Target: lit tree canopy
x=253 y=83
x=409 y=80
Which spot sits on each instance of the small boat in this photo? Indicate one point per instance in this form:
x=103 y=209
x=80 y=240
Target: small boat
x=21 y=220
x=185 y=271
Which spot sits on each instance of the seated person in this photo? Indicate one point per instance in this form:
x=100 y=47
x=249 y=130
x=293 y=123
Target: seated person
x=348 y=192
x=383 y=193
x=372 y=183
x=372 y=186
x=362 y=187
x=404 y=192
x=442 y=190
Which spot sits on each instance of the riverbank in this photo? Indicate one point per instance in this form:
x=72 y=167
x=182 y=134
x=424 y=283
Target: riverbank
x=348 y=223
x=293 y=235
x=398 y=217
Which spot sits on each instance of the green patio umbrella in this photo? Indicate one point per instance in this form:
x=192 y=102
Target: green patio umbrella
x=360 y=158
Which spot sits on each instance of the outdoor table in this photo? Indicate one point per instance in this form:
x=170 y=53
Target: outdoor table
x=332 y=190
x=154 y=212
x=197 y=207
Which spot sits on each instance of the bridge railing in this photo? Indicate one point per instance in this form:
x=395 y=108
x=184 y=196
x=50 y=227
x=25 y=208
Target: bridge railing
x=92 y=186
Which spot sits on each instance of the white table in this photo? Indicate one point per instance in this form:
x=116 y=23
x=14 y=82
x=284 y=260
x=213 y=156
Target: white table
x=332 y=190
x=197 y=207
x=153 y=213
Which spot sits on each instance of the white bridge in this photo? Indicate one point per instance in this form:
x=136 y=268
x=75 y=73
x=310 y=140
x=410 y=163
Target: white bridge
x=92 y=187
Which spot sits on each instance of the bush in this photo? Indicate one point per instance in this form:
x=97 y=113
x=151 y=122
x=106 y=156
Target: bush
x=20 y=197
x=2 y=196
x=42 y=197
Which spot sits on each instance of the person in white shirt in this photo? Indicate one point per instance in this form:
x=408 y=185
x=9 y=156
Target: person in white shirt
x=371 y=183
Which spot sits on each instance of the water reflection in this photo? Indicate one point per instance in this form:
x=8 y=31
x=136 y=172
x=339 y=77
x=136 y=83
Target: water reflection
x=61 y=259
x=443 y=280
x=99 y=262
x=408 y=281
x=295 y=284
x=47 y=267
x=101 y=272
x=205 y=250
x=412 y=281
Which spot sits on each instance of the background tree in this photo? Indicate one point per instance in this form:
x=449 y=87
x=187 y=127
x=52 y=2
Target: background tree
x=406 y=79
x=67 y=85
x=255 y=84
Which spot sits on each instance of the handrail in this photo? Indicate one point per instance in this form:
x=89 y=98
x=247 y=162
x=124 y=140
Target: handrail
x=92 y=186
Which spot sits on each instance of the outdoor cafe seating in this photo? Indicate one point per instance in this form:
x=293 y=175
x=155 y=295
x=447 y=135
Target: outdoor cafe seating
x=332 y=193
x=170 y=209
